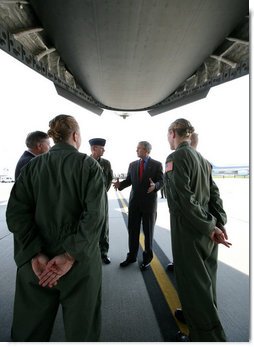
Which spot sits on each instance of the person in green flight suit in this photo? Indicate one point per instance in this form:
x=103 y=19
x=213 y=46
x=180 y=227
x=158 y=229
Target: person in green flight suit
x=97 y=150
x=56 y=211
x=197 y=220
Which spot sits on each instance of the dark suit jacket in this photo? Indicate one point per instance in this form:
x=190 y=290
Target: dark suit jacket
x=23 y=160
x=139 y=198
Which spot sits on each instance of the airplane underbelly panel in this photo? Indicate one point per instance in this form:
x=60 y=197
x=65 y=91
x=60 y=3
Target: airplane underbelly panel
x=133 y=54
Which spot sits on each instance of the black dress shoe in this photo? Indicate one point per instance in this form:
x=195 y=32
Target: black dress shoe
x=180 y=337
x=144 y=267
x=170 y=267
x=127 y=262
x=105 y=259
x=180 y=316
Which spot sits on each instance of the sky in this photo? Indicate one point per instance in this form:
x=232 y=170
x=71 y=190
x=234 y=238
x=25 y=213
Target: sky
x=29 y=101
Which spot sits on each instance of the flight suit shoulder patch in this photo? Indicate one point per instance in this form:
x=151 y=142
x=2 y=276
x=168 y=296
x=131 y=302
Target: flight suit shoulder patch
x=169 y=166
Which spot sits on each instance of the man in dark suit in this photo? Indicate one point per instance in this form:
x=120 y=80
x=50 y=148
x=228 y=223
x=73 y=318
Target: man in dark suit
x=37 y=142
x=146 y=178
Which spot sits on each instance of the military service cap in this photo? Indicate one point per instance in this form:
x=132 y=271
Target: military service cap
x=97 y=142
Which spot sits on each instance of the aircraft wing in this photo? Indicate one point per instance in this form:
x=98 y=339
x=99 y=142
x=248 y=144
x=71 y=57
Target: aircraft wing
x=129 y=55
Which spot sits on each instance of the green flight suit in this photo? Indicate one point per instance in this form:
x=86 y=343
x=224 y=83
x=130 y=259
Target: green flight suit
x=108 y=177
x=57 y=205
x=195 y=209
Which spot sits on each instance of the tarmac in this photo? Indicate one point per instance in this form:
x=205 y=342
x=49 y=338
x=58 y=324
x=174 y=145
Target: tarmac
x=136 y=306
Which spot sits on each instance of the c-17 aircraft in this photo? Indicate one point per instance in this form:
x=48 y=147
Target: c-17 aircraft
x=129 y=55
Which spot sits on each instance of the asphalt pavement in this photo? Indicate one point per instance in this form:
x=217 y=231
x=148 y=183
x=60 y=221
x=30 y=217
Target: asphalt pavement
x=131 y=299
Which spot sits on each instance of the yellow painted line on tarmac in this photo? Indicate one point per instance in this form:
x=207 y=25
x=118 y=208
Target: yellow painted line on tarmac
x=166 y=286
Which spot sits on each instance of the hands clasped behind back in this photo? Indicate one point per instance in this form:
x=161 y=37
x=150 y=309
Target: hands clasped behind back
x=50 y=271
